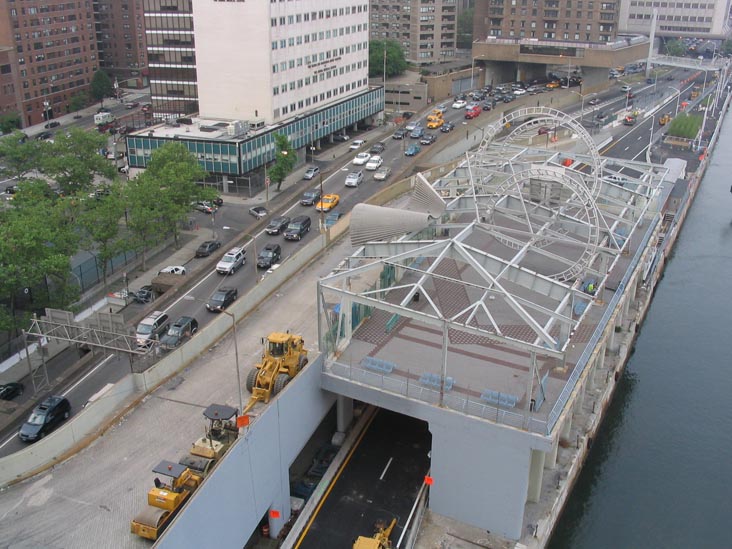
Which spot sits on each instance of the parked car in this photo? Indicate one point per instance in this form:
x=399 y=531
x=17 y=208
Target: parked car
x=151 y=328
x=52 y=124
x=310 y=197
x=412 y=150
x=399 y=134
x=205 y=207
x=44 y=136
x=374 y=163
x=277 y=225
x=377 y=148
x=354 y=179
x=173 y=269
x=298 y=228
x=382 y=173
x=207 y=248
x=269 y=255
x=357 y=144
x=341 y=137
x=447 y=127
x=231 y=261
x=132 y=105
x=311 y=172
x=182 y=329
x=361 y=158
x=428 y=139
x=258 y=211
x=508 y=98
x=328 y=202
x=45 y=418
x=332 y=218
x=221 y=299
x=9 y=391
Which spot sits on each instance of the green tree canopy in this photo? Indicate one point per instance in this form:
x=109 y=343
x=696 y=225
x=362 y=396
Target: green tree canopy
x=73 y=160
x=9 y=122
x=675 y=48
x=284 y=162
x=101 y=86
x=19 y=155
x=465 y=29
x=36 y=245
x=396 y=64
x=78 y=101
x=99 y=223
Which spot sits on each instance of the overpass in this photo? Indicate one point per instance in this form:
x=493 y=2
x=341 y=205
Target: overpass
x=715 y=64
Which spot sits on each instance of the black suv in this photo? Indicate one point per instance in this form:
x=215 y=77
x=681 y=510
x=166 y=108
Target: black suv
x=297 y=228
x=277 y=225
x=182 y=329
x=399 y=134
x=269 y=255
x=377 y=148
x=44 y=418
x=221 y=299
x=310 y=197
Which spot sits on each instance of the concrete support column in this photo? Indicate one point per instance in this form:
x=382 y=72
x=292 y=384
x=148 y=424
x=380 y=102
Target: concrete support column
x=279 y=511
x=591 y=375
x=536 y=475
x=551 y=458
x=566 y=427
x=347 y=319
x=344 y=413
x=580 y=400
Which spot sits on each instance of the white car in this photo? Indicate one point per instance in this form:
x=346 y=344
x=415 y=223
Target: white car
x=519 y=91
x=459 y=104
x=354 y=179
x=374 y=163
x=625 y=88
x=470 y=106
x=173 y=269
x=361 y=159
x=357 y=144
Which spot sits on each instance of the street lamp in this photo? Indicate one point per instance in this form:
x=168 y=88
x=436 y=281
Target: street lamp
x=46 y=108
x=236 y=350
x=467 y=131
x=678 y=96
x=582 y=105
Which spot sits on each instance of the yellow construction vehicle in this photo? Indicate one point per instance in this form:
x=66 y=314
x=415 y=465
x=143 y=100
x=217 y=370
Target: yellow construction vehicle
x=221 y=432
x=665 y=119
x=380 y=540
x=283 y=357
x=165 y=499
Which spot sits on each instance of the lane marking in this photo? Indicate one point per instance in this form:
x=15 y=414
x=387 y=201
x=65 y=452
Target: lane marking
x=626 y=148
x=90 y=372
x=388 y=463
x=333 y=482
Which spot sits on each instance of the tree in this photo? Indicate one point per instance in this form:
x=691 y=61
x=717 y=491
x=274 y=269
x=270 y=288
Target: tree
x=78 y=101
x=99 y=224
x=465 y=29
x=395 y=62
x=176 y=173
x=19 y=155
x=727 y=47
x=9 y=122
x=142 y=195
x=73 y=160
x=101 y=86
x=36 y=245
x=284 y=162
x=675 y=48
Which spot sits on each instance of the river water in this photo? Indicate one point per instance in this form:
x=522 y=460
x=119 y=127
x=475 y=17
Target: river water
x=660 y=471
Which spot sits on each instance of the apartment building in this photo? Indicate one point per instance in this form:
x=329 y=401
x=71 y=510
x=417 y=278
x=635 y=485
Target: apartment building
x=694 y=19
x=426 y=29
x=54 y=54
x=120 y=30
x=584 y=21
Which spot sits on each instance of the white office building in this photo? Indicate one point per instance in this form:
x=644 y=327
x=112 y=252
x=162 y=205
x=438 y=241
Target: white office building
x=708 y=19
x=276 y=60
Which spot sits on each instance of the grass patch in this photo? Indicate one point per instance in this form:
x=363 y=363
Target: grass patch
x=685 y=125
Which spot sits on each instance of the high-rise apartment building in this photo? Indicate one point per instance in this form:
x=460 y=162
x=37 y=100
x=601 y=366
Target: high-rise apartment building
x=171 y=56
x=695 y=19
x=120 y=30
x=426 y=29
x=567 y=20
x=54 y=52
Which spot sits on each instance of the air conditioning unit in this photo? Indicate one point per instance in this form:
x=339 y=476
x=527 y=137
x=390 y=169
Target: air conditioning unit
x=236 y=128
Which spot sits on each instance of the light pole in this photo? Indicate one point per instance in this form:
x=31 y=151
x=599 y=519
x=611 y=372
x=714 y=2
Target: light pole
x=46 y=108
x=236 y=350
x=322 y=213
x=467 y=131
x=650 y=139
x=582 y=104
x=678 y=96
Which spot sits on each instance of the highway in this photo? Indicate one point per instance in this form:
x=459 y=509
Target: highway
x=101 y=488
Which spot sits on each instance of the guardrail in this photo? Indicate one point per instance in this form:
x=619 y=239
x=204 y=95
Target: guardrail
x=597 y=334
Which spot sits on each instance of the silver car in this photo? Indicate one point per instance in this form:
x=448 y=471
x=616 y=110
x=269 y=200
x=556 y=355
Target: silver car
x=354 y=179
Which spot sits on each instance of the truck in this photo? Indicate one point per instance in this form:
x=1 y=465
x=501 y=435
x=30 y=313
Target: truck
x=165 y=281
x=103 y=118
